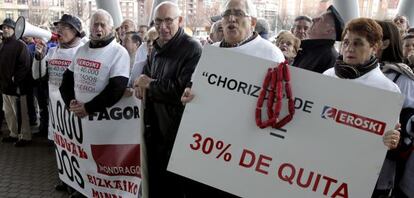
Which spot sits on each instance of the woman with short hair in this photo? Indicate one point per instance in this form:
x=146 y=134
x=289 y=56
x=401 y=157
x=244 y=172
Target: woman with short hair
x=288 y=44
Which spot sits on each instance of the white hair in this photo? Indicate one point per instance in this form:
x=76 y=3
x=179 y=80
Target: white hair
x=104 y=13
x=250 y=7
x=174 y=5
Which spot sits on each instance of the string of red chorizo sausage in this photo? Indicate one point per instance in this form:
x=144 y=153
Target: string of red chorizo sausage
x=273 y=84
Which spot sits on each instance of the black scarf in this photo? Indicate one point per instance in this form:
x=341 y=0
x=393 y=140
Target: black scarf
x=102 y=42
x=345 y=71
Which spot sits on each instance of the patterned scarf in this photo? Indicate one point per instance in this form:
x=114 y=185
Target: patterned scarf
x=224 y=44
x=345 y=71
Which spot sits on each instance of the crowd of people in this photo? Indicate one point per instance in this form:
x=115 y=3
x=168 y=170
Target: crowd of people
x=156 y=62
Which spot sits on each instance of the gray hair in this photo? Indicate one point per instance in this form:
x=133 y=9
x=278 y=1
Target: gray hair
x=104 y=13
x=250 y=7
x=174 y=5
x=215 y=26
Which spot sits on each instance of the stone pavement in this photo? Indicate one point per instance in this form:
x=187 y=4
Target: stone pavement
x=28 y=171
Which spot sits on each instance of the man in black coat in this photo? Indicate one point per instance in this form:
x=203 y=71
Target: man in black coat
x=318 y=52
x=15 y=76
x=169 y=70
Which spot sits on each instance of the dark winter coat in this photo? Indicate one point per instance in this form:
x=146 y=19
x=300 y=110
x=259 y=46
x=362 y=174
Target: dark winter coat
x=15 y=65
x=316 y=55
x=172 y=66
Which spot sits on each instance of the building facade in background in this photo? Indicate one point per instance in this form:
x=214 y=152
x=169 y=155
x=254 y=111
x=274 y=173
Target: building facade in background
x=279 y=13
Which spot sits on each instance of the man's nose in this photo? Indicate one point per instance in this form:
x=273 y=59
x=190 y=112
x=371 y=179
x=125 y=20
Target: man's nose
x=163 y=25
x=232 y=17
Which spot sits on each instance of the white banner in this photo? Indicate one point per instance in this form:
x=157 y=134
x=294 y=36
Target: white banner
x=332 y=148
x=98 y=155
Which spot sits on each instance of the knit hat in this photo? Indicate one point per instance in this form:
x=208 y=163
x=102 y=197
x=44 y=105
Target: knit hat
x=8 y=22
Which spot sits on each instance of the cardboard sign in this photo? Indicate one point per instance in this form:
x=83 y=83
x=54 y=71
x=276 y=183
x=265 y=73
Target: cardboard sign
x=332 y=148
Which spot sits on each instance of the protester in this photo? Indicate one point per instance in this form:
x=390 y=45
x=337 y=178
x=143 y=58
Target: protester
x=85 y=96
x=318 y=52
x=402 y=24
x=50 y=64
x=216 y=32
x=289 y=44
x=262 y=28
x=408 y=50
x=132 y=41
x=301 y=27
x=361 y=40
x=391 y=58
x=164 y=78
x=127 y=25
x=14 y=78
x=142 y=58
x=142 y=31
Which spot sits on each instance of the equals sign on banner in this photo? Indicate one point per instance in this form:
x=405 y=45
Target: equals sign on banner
x=278 y=133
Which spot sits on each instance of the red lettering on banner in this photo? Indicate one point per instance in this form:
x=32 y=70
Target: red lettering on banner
x=69 y=146
x=97 y=194
x=263 y=161
x=59 y=62
x=123 y=185
x=88 y=63
x=287 y=173
x=328 y=184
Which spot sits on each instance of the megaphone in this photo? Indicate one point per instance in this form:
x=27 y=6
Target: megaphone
x=24 y=29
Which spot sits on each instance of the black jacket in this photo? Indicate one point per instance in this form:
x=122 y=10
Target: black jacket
x=172 y=66
x=317 y=55
x=14 y=67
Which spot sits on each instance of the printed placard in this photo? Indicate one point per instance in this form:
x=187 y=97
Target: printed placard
x=332 y=148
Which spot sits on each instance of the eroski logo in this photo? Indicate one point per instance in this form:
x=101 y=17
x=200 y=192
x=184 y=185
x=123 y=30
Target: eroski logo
x=353 y=120
x=328 y=112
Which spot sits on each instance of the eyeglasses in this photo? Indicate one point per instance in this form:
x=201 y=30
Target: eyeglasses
x=236 y=13
x=168 y=21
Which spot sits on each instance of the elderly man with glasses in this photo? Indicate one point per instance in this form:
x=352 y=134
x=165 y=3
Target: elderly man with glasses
x=168 y=71
x=239 y=21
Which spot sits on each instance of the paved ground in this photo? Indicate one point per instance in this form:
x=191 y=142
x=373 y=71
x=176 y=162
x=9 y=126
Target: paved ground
x=29 y=171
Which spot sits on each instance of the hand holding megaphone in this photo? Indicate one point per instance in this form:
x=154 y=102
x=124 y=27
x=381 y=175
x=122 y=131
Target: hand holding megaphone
x=40 y=48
